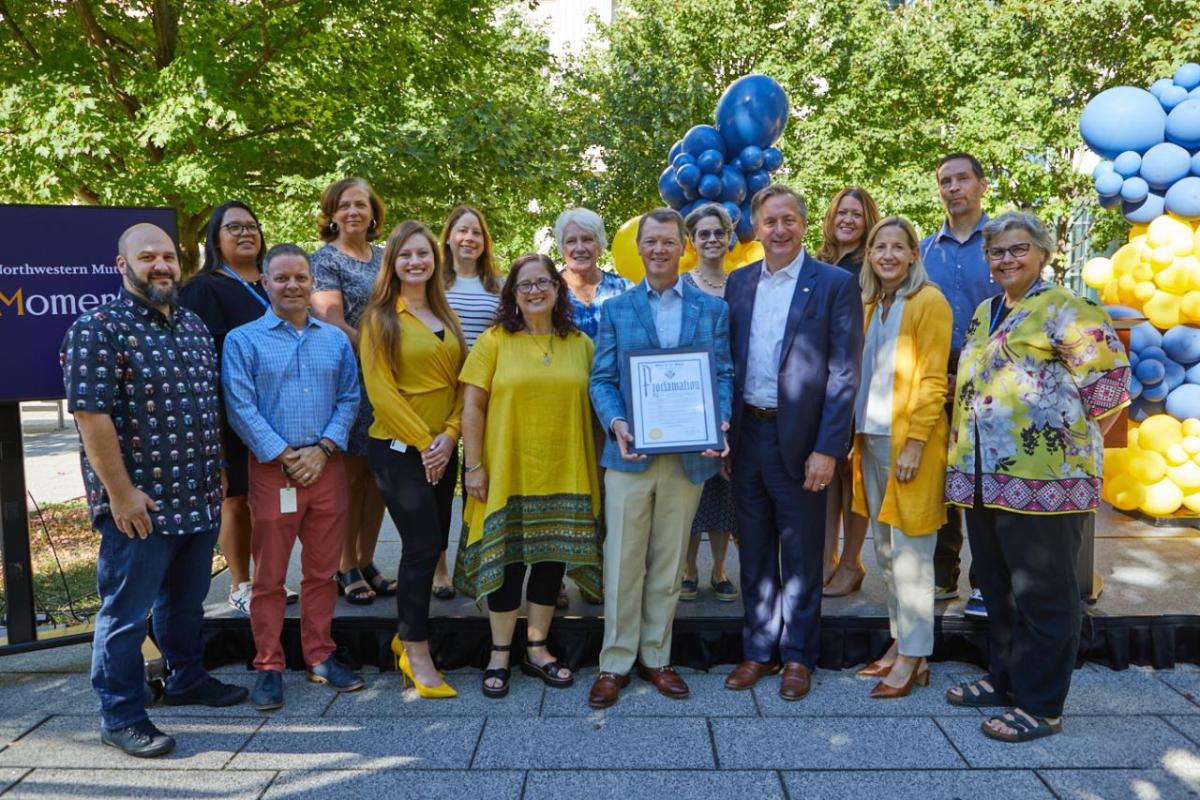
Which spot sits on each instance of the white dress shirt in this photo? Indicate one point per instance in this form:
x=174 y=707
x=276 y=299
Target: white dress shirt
x=873 y=405
x=772 y=300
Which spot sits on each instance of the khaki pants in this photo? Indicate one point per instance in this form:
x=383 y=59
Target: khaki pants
x=648 y=516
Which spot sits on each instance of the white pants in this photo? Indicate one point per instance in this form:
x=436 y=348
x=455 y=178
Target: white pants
x=906 y=561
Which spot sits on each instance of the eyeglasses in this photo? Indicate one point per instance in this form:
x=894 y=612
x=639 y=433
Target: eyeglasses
x=1016 y=251
x=714 y=233
x=238 y=228
x=529 y=287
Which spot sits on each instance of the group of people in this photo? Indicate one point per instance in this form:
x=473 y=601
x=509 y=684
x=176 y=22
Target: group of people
x=281 y=396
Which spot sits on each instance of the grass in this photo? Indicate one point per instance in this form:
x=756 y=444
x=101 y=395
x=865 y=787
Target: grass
x=63 y=548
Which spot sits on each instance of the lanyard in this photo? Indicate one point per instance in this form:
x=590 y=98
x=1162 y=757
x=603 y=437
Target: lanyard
x=998 y=306
x=242 y=281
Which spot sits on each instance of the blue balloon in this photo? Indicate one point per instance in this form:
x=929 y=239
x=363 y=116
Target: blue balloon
x=1126 y=164
x=688 y=176
x=1122 y=118
x=1188 y=75
x=1182 y=344
x=1193 y=374
x=1133 y=359
x=1156 y=393
x=745 y=225
x=1161 y=85
x=703 y=137
x=751 y=158
x=1183 y=124
x=691 y=193
x=1153 y=353
x=681 y=159
x=772 y=159
x=1194 y=93
x=1124 y=312
x=1173 y=97
x=711 y=161
x=1109 y=184
x=1150 y=372
x=676 y=149
x=1174 y=376
x=1183 y=199
x=753 y=110
x=669 y=190
x=1184 y=402
x=710 y=187
x=1135 y=388
x=1143 y=409
x=1134 y=190
x=1105 y=167
x=1196 y=164
x=757 y=181
x=733 y=210
x=1110 y=201
x=1143 y=336
x=1145 y=212
x=1164 y=164
x=736 y=163
x=733 y=184
x=688 y=208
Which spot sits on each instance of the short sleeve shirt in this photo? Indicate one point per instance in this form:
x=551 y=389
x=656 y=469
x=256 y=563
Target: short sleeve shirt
x=587 y=315
x=157 y=378
x=333 y=270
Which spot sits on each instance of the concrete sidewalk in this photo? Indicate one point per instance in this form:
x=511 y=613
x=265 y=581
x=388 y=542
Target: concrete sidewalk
x=1131 y=734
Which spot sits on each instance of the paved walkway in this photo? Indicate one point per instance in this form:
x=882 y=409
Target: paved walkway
x=1131 y=734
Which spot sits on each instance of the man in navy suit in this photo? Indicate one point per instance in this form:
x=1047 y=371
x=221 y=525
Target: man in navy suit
x=650 y=501
x=796 y=327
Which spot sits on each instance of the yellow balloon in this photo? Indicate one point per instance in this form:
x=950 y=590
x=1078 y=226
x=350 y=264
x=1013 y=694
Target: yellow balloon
x=1175 y=456
x=1161 y=256
x=689 y=260
x=1186 y=476
x=1162 y=310
x=743 y=254
x=1097 y=272
x=1191 y=443
x=1148 y=467
x=1124 y=492
x=1162 y=498
x=1173 y=279
x=1126 y=258
x=1138 y=230
x=1125 y=291
x=1192 y=502
x=1190 y=427
x=1116 y=461
x=1111 y=295
x=1171 y=232
x=1191 y=266
x=624 y=251
x=1143 y=271
x=1159 y=433
x=1144 y=290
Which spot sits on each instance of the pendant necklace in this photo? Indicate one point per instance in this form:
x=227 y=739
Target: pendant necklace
x=546 y=354
x=708 y=283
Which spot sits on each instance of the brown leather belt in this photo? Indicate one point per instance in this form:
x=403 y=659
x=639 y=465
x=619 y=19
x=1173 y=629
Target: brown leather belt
x=760 y=413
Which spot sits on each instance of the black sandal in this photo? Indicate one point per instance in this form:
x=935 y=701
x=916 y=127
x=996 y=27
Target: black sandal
x=362 y=596
x=548 y=672
x=383 y=587
x=974 y=695
x=501 y=674
x=1026 y=731
x=443 y=592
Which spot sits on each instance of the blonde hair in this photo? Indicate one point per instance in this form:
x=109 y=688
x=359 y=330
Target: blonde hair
x=914 y=281
x=829 y=244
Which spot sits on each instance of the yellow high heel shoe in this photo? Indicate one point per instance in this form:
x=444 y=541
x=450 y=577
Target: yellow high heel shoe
x=442 y=691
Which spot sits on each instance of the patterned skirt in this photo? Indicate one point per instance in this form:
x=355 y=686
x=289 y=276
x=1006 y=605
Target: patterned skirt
x=715 y=512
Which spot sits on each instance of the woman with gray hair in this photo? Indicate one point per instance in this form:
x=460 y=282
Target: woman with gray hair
x=579 y=234
x=709 y=227
x=899 y=457
x=1040 y=378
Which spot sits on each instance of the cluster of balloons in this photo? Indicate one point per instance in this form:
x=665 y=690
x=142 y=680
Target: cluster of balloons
x=1158 y=473
x=1150 y=140
x=729 y=162
x=1166 y=372
x=1157 y=272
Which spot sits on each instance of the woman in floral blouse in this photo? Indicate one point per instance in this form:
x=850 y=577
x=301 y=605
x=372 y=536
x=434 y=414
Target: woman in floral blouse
x=1041 y=376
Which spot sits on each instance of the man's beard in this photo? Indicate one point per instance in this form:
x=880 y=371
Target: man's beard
x=155 y=296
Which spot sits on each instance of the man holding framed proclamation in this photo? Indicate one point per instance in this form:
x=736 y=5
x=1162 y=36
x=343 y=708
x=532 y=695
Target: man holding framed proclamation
x=662 y=387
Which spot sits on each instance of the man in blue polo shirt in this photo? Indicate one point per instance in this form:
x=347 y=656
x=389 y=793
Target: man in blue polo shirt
x=954 y=259
x=141 y=379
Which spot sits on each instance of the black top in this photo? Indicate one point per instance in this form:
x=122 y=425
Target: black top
x=157 y=378
x=223 y=303
x=848 y=263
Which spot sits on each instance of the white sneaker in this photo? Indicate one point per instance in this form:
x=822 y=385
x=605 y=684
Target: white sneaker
x=292 y=597
x=239 y=598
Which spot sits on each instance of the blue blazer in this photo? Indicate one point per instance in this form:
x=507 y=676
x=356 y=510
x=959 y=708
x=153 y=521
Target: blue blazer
x=819 y=360
x=627 y=323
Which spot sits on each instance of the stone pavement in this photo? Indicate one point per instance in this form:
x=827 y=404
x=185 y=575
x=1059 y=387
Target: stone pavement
x=1131 y=734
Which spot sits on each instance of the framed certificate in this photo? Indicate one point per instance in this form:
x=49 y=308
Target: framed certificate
x=671 y=397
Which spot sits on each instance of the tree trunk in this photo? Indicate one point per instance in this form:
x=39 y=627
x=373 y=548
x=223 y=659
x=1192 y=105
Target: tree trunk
x=190 y=226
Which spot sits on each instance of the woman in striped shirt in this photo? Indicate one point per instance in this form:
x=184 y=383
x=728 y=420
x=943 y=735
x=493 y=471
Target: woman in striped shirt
x=473 y=291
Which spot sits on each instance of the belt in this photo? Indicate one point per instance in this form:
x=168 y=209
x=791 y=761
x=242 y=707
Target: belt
x=760 y=413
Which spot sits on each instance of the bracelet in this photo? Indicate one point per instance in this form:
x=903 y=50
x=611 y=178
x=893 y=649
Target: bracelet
x=326 y=449
x=472 y=469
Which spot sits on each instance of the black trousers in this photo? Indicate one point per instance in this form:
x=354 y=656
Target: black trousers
x=421 y=512
x=544 y=579
x=946 y=550
x=1025 y=564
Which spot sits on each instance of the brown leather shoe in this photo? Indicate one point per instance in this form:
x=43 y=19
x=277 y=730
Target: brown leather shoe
x=666 y=680
x=746 y=674
x=607 y=689
x=796 y=681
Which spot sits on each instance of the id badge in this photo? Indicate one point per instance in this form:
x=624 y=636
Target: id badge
x=398 y=446
x=287 y=500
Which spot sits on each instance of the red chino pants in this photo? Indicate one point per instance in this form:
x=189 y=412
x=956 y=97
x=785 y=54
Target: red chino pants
x=319 y=522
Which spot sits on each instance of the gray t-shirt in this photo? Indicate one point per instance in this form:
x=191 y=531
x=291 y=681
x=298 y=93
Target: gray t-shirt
x=334 y=270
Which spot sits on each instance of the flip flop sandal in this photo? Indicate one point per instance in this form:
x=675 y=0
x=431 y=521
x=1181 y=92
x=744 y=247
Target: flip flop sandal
x=975 y=695
x=501 y=674
x=384 y=587
x=1026 y=731
x=548 y=672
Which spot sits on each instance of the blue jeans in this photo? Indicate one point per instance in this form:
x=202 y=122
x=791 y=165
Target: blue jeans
x=169 y=574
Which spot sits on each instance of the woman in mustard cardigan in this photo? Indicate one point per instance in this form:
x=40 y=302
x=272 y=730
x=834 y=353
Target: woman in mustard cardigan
x=412 y=348
x=900 y=442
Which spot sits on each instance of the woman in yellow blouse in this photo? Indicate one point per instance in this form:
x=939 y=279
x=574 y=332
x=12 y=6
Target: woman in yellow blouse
x=412 y=348
x=531 y=477
x=1040 y=378
x=900 y=442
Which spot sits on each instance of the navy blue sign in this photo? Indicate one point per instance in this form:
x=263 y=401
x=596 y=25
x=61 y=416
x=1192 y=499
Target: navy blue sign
x=56 y=262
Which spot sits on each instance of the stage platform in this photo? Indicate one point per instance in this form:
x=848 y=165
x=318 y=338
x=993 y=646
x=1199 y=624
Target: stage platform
x=1148 y=613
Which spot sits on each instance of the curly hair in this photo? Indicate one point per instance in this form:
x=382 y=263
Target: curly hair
x=329 y=206
x=508 y=315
